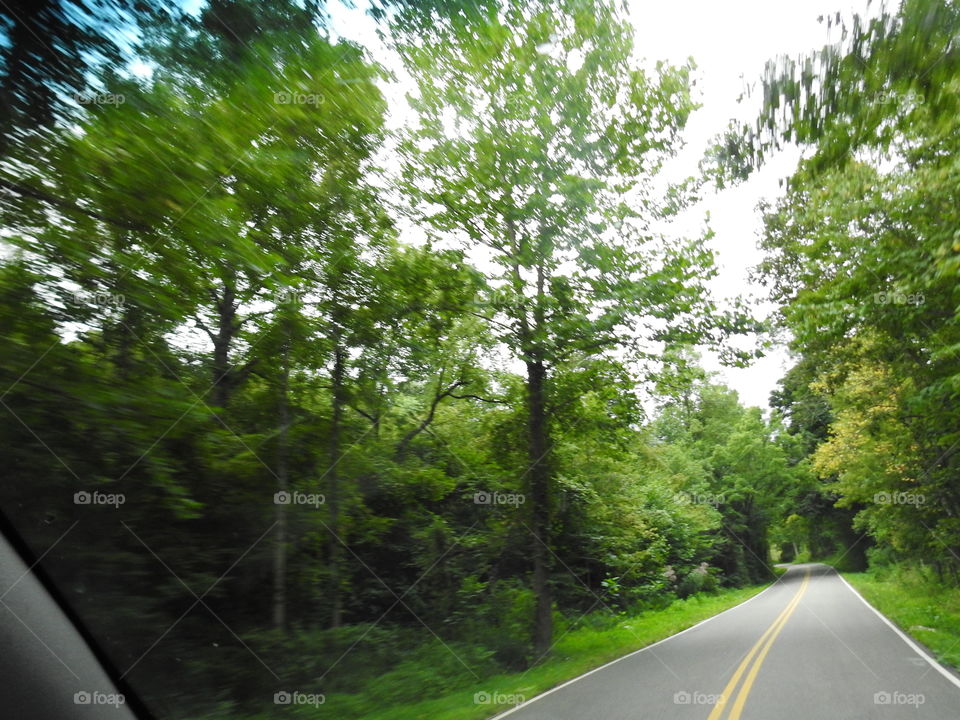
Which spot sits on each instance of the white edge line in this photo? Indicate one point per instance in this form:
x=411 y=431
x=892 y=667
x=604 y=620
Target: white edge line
x=522 y=705
x=903 y=636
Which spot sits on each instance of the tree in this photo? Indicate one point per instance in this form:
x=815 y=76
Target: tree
x=862 y=253
x=537 y=145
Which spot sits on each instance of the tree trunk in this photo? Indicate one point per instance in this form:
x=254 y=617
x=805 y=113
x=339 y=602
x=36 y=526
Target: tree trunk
x=226 y=317
x=333 y=489
x=280 y=509
x=539 y=471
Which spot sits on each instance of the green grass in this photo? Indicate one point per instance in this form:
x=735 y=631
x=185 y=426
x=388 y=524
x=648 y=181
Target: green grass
x=596 y=640
x=576 y=652
x=843 y=561
x=917 y=604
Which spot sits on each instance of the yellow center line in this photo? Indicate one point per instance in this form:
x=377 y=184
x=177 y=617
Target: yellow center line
x=752 y=675
x=769 y=635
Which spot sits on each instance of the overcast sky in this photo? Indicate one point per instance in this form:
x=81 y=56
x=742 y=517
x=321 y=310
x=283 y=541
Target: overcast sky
x=730 y=42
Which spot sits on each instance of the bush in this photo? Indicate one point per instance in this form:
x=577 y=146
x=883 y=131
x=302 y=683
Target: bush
x=698 y=580
x=498 y=616
x=880 y=556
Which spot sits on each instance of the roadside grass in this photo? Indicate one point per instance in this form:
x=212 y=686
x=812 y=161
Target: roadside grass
x=917 y=604
x=575 y=653
x=843 y=562
x=597 y=640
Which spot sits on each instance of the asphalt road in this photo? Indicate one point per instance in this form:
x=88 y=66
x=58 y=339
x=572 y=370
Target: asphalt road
x=807 y=648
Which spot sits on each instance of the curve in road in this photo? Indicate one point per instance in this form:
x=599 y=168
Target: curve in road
x=808 y=647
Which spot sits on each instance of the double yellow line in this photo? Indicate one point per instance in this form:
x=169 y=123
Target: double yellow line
x=763 y=646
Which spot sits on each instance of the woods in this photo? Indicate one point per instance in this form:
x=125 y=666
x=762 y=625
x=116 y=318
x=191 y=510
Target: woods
x=350 y=402
x=862 y=258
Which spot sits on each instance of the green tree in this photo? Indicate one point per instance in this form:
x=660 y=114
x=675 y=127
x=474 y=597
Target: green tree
x=862 y=253
x=537 y=145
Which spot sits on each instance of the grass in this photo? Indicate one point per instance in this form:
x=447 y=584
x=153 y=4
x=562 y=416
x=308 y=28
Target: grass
x=576 y=652
x=917 y=604
x=420 y=688
x=843 y=561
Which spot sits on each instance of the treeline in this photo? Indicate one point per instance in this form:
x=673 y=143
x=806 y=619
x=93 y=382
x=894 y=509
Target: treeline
x=264 y=443
x=863 y=257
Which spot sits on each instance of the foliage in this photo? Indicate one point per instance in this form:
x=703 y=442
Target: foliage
x=336 y=454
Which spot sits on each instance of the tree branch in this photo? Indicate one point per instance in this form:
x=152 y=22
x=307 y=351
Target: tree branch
x=477 y=397
x=402 y=445
x=31 y=192
x=204 y=327
x=372 y=418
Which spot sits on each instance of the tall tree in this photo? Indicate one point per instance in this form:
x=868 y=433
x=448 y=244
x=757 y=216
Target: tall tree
x=862 y=253
x=537 y=143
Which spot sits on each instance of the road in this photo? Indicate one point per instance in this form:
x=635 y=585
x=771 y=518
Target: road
x=807 y=648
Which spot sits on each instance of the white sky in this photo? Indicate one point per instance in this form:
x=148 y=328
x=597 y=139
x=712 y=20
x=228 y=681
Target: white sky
x=730 y=42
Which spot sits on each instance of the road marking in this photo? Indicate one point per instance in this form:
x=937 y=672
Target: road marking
x=769 y=635
x=552 y=690
x=752 y=675
x=893 y=627
x=903 y=636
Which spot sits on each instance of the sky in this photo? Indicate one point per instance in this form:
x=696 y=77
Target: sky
x=729 y=42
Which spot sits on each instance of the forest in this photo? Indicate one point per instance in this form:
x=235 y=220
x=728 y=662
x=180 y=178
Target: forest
x=298 y=399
